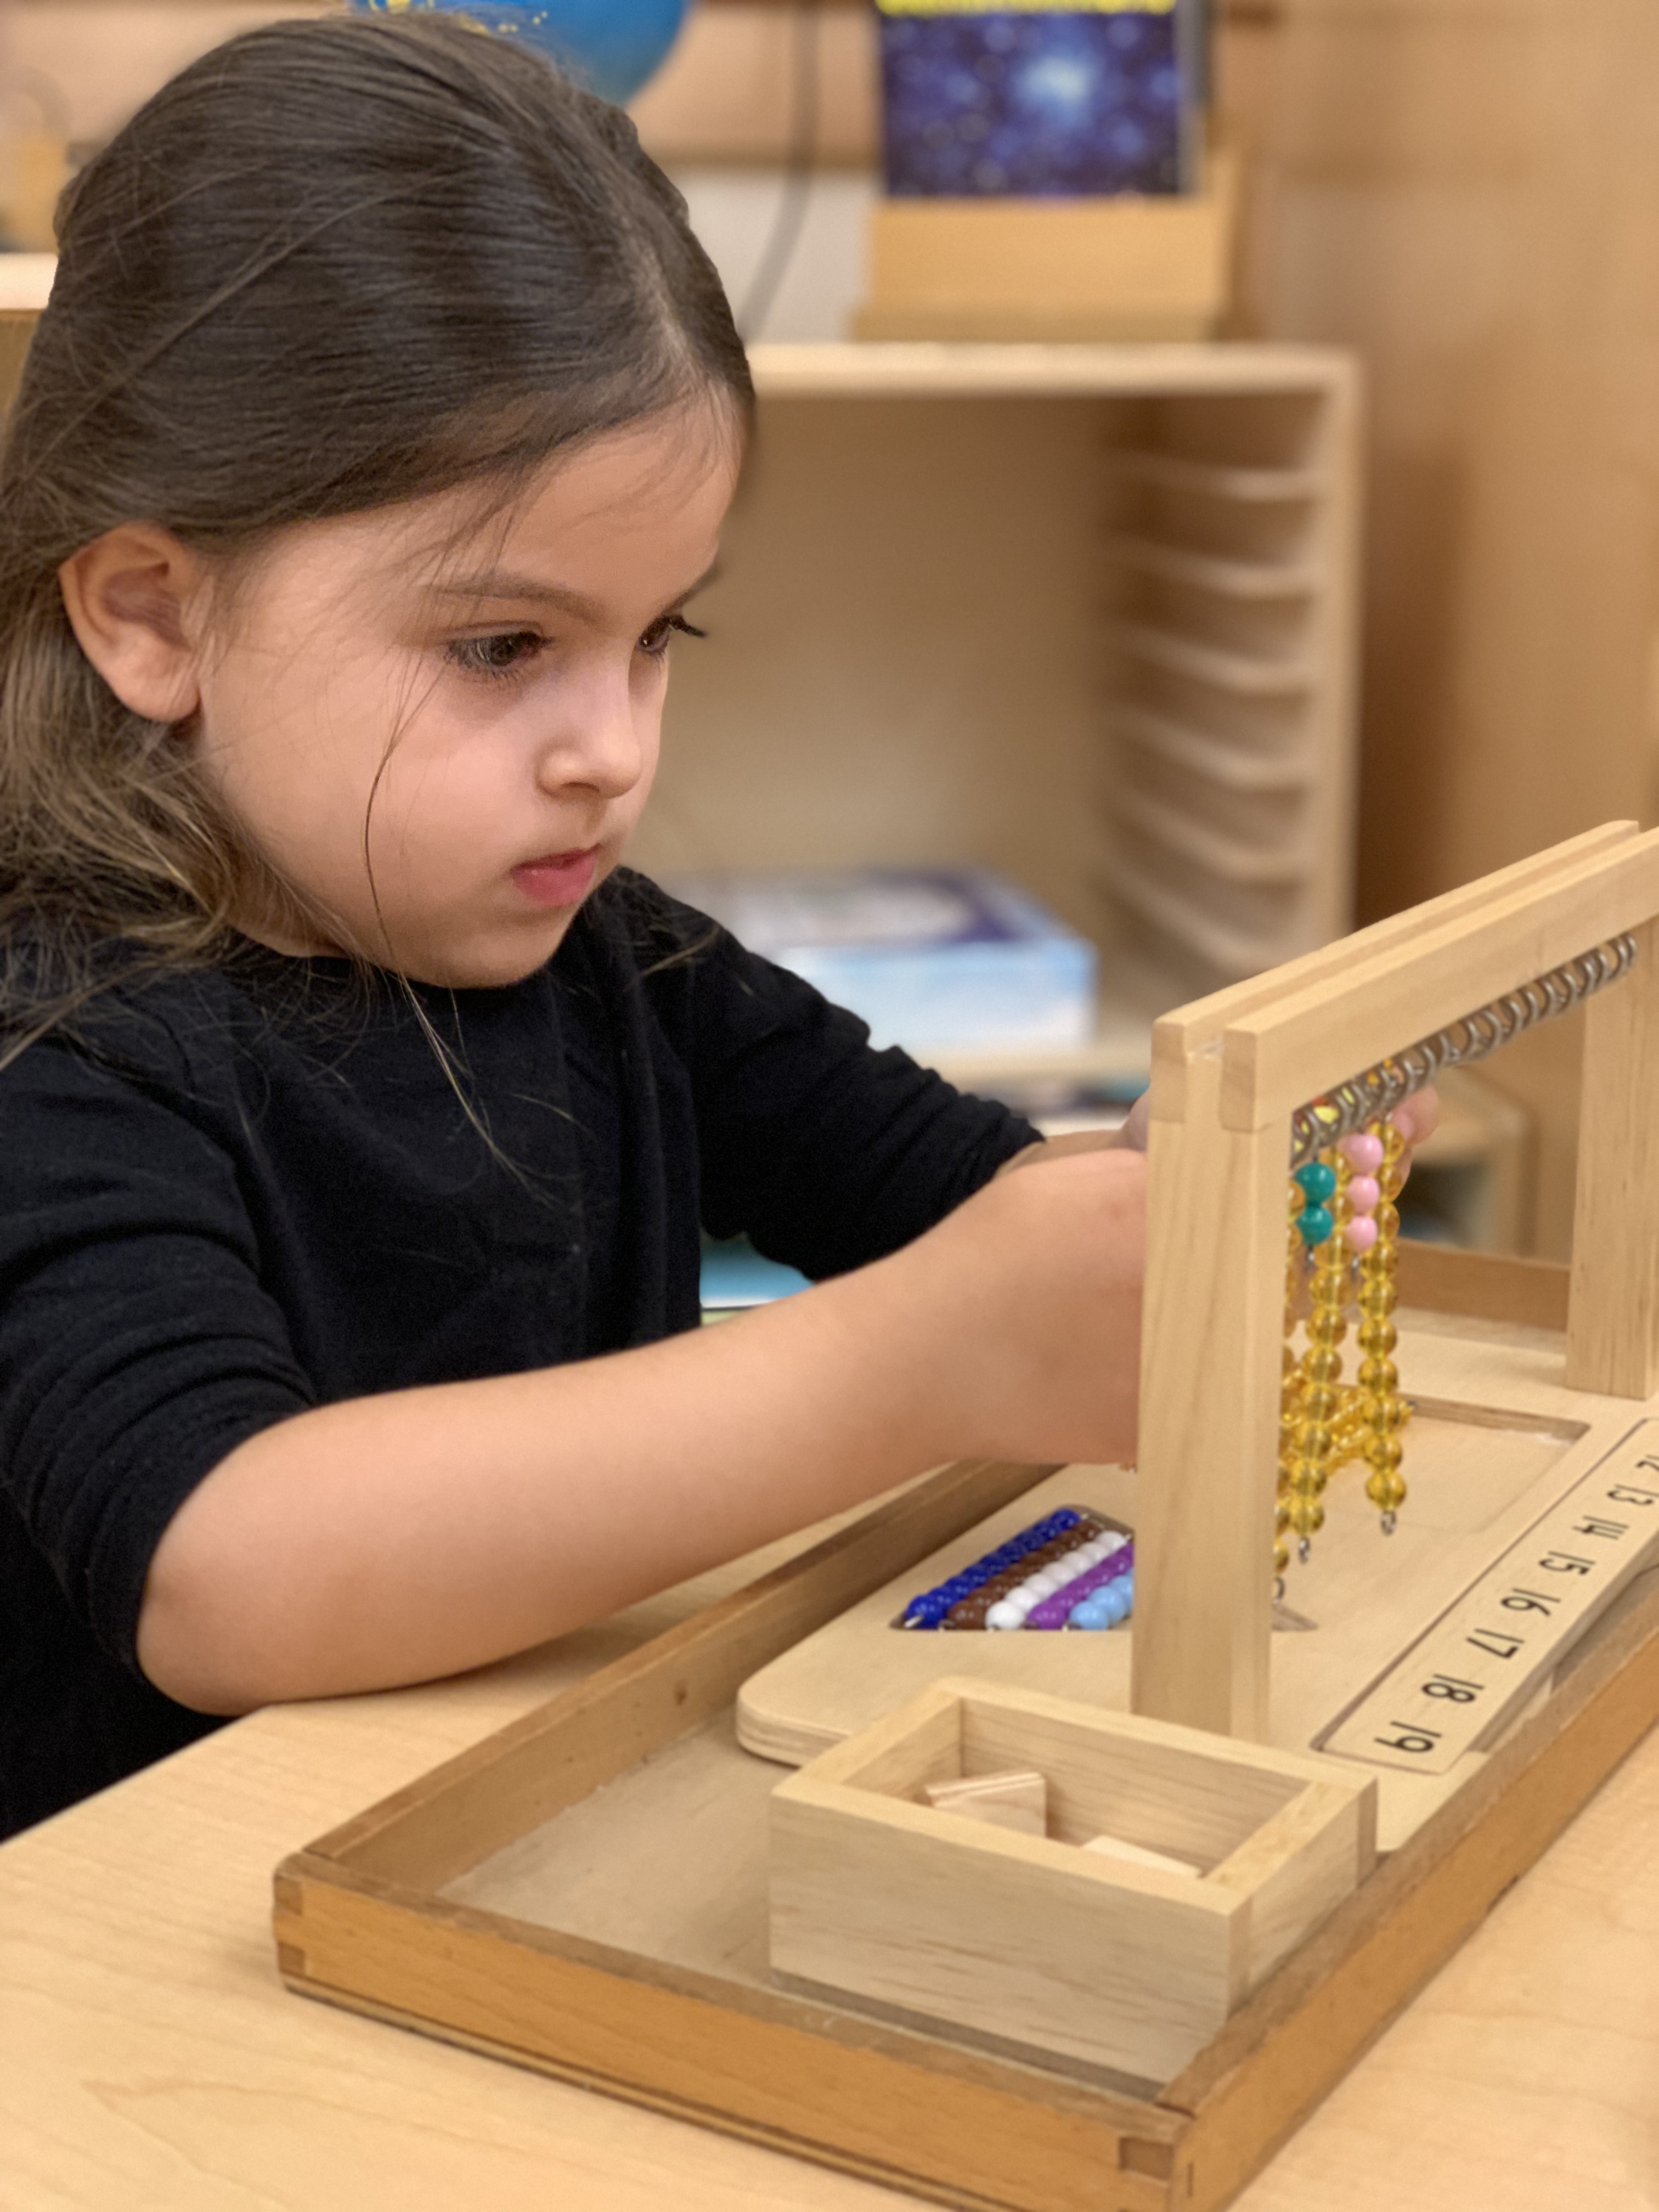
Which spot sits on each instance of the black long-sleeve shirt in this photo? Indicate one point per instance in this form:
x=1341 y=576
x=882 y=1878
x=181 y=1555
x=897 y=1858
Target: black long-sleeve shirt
x=230 y=1194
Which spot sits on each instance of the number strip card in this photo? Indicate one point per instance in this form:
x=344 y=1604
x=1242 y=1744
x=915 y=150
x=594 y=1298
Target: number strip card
x=1482 y=1658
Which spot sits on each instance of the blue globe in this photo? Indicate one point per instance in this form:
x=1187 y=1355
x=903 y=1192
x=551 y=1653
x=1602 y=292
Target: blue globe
x=611 y=46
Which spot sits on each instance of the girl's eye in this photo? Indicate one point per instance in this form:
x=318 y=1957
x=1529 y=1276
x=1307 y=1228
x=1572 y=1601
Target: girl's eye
x=501 y=654
x=655 y=639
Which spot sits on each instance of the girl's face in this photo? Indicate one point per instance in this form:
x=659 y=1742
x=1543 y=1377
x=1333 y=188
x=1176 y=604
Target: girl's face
x=446 y=739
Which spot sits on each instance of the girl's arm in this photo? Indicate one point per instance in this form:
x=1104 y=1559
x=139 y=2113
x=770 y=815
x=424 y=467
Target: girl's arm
x=395 y=1537
x=1417 y=1117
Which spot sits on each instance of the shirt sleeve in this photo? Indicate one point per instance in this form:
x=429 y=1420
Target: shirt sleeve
x=826 y=1153
x=137 y=1347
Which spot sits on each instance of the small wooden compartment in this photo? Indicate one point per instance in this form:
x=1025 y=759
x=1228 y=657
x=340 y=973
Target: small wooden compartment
x=1037 y=1940
x=1114 y=268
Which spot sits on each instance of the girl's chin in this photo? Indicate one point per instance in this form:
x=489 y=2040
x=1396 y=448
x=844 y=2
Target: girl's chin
x=492 y=960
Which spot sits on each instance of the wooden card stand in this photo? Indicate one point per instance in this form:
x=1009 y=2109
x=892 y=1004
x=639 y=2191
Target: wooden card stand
x=586 y=1890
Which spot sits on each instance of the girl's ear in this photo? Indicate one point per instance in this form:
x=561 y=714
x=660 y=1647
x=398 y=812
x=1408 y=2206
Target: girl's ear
x=129 y=596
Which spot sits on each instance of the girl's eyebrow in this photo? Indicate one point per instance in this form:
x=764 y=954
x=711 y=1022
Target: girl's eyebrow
x=504 y=585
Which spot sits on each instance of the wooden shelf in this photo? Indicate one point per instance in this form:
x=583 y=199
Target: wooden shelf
x=1206 y=663
x=1230 y=859
x=1230 y=952
x=1254 y=487
x=1235 y=768
x=922 y=370
x=25 y=282
x=1204 y=572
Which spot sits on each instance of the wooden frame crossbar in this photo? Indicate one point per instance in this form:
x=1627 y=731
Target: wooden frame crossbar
x=1227 y=1073
x=1473 y=1037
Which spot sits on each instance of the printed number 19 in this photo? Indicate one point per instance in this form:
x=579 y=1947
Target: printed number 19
x=1417 y=1740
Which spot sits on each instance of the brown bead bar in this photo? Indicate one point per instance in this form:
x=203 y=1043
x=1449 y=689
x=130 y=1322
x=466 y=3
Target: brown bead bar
x=969 y=1612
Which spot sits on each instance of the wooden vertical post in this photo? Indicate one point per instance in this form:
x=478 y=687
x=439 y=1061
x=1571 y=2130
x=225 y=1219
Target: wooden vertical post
x=1209 y=1414
x=1612 y=1316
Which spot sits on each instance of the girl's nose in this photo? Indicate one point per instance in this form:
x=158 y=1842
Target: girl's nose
x=599 y=744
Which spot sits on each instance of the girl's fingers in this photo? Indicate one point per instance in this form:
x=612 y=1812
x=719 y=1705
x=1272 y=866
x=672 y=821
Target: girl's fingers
x=1132 y=1135
x=1418 y=1117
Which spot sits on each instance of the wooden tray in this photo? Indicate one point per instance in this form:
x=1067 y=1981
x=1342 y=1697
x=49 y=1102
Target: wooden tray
x=583 y=1893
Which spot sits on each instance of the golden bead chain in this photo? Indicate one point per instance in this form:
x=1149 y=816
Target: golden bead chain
x=1344 y=1252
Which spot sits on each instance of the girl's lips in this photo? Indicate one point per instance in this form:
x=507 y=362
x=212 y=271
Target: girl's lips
x=557 y=878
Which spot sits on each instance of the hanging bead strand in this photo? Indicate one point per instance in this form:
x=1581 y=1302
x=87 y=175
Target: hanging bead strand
x=1320 y=1225
x=1289 y=1395
x=1386 y=1410
x=1362 y=1157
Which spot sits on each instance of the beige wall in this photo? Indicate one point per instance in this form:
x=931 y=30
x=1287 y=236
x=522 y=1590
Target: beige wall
x=97 y=60
x=723 y=95
x=1467 y=190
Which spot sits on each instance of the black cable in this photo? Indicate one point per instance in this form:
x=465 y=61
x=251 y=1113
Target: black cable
x=1198 y=59
x=1196 y=54
x=760 y=296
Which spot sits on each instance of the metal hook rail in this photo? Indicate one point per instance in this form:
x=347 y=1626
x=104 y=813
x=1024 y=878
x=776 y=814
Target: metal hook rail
x=1367 y=1098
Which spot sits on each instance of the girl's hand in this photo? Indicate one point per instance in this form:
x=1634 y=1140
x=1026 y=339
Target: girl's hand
x=1129 y=1135
x=1417 y=1118
x=1067 y=1353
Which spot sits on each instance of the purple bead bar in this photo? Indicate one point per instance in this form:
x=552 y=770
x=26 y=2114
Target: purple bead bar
x=1054 y=1611
x=1011 y=1562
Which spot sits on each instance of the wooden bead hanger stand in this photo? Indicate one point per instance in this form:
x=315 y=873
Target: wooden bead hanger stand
x=1227 y=1073
x=1053 y=1919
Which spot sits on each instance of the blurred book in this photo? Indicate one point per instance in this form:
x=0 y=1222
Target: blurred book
x=935 y=959
x=1060 y=1106
x=735 y=1276
x=1021 y=101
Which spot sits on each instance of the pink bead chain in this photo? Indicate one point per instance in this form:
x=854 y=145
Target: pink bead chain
x=1363 y=1154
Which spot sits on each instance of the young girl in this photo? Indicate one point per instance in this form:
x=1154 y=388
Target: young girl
x=359 y=1109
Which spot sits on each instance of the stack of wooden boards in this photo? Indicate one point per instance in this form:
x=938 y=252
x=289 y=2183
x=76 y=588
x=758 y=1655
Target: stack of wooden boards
x=1019 y=1801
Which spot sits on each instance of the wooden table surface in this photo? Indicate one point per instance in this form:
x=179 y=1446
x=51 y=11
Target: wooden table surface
x=150 y=2058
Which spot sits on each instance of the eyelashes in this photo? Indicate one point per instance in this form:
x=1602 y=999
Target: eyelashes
x=656 y=640
x=510 y=652
x=502 y=653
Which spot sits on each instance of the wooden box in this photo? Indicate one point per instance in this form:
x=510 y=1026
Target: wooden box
x=1037 y=1940
x=1113 y=268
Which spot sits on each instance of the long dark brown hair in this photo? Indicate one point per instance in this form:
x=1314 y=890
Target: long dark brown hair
x=331 y=266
